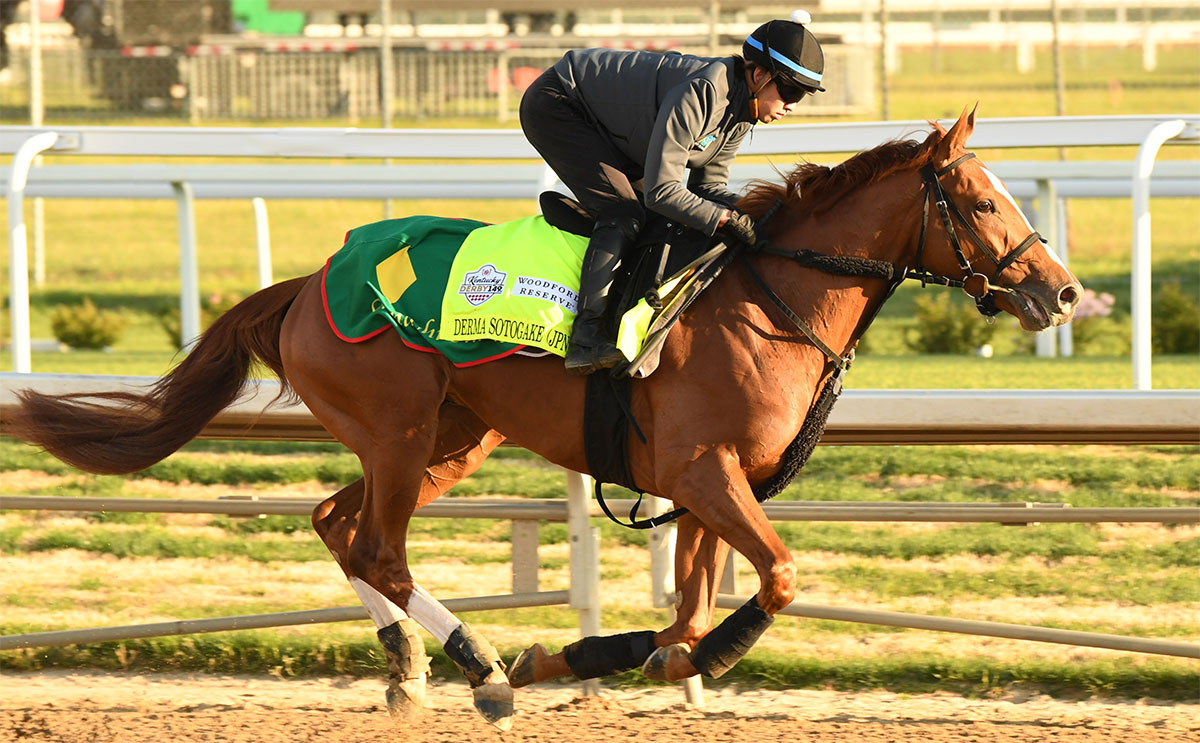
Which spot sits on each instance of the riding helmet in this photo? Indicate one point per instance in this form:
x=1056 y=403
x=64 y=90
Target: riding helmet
x=788 y=50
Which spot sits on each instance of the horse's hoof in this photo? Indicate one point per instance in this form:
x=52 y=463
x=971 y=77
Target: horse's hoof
x=655 y=667
x=406 y=699
x=521 y=672
x=494 y=700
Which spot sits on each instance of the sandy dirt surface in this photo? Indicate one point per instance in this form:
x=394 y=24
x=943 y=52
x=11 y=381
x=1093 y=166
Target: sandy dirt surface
x=74 y=707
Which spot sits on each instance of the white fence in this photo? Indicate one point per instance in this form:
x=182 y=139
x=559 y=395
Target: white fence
x=1148 y=133
x=1050 y=414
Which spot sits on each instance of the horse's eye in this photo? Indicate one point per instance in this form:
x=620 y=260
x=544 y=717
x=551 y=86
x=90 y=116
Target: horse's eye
x=985 y=206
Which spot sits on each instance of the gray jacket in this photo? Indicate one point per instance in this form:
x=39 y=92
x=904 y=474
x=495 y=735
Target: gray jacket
x=667 y=112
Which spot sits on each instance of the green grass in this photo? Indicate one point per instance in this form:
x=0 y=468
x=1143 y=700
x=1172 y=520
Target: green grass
x=1077 y=582
x=1083 y=476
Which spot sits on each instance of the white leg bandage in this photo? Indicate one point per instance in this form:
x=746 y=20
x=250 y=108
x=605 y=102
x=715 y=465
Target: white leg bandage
x=381 y=611
x=431 y=615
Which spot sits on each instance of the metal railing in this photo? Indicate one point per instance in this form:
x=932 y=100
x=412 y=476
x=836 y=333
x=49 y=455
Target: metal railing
x=1177 y=412
x=1149 y=133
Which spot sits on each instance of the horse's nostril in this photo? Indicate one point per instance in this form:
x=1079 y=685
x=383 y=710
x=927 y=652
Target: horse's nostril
x=1068 y=297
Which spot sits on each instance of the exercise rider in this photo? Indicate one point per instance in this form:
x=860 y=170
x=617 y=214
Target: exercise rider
x=619 y=128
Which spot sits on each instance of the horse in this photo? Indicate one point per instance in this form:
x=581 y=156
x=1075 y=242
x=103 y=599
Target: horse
x=735 y=383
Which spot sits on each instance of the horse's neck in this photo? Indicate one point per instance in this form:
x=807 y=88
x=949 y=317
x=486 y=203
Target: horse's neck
x=880 y=221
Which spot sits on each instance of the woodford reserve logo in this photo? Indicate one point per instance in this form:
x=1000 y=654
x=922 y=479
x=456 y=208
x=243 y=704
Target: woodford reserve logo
x=482 y=284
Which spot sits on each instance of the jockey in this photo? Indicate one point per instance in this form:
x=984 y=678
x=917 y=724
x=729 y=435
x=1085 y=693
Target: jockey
x=620 y=128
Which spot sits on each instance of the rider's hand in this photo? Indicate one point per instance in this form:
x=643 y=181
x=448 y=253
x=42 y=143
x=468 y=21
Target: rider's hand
x=739 y=229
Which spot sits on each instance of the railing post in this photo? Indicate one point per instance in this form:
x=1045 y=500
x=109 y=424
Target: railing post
x=661 y=543
x=1066 y=338
x=502 y=84
x=262 y=241
x=1143 y=165
x=189 y=271
x=584 y=561
x=1047 y=224
x=729 y=580
x=18 y=248
x=524 y=556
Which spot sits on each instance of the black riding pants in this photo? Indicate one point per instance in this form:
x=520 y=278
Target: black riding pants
x=600 y=175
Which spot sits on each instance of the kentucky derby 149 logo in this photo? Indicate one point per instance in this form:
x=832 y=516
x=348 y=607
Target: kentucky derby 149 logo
x=482 y=284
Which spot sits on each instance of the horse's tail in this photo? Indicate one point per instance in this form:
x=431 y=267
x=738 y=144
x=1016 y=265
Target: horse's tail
x=120 y=432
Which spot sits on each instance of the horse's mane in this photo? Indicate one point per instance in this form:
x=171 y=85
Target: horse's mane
x=819 y=187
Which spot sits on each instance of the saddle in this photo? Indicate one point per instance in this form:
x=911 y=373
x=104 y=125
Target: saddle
x=669 y=268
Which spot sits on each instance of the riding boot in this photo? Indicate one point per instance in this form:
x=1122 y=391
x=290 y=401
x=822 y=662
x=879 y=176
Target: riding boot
x=592 y=346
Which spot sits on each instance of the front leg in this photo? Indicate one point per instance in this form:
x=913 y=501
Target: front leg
x=699 y=563
x=737 y=518
x=699 y=559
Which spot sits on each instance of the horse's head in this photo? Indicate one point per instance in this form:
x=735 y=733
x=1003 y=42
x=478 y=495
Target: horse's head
x=987 y=240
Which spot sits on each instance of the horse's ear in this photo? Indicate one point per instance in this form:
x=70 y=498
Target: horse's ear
x=955 y=140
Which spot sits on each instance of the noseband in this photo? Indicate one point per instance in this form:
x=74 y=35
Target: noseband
x=977 y=285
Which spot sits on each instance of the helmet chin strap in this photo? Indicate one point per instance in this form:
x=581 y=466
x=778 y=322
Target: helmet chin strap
x=754 y=93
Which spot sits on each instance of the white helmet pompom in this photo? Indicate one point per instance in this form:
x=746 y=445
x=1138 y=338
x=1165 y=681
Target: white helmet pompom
x=803 y=17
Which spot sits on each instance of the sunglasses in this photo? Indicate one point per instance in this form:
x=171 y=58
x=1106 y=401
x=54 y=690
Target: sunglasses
x=789 y=93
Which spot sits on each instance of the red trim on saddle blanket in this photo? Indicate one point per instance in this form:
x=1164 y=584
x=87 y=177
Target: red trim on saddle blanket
x=372 y=334
x=329 y=314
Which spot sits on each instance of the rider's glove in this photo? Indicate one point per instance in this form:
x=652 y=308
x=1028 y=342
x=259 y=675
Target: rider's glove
x=739 y=229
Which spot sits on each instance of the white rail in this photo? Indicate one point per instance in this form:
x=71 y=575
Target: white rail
x=1149 y=133
x=860 y=417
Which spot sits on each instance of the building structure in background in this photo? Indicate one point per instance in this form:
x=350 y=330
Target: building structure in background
x=319 y=59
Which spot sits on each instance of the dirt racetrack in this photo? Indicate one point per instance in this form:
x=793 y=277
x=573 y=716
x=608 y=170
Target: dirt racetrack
x=79 y=707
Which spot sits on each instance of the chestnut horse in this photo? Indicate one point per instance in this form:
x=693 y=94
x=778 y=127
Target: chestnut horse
x=734 y=385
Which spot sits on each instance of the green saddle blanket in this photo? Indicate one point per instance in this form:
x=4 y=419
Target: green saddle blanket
x=470 y=291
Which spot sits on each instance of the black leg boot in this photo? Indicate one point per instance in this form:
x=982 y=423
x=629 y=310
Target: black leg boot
x=592 y=347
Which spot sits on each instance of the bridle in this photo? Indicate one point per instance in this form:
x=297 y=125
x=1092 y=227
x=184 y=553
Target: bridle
x=975 y=284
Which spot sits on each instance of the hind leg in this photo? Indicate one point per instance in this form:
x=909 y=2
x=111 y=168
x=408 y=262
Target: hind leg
x=699 y=560
x=463 y=443
x=335 y=520
x=699 y=563
x=384 y=402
